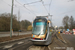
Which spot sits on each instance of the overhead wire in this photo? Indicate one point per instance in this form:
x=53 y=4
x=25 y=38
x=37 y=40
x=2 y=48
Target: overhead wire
x=30 y=10
x=66 y=12
x=32 y=2
x=44 y=5
x=6 y=3
x=9 y=4
x=49 y=6
x=20 y=4
x=25 y=7
x=49 y=12
x=27 y=4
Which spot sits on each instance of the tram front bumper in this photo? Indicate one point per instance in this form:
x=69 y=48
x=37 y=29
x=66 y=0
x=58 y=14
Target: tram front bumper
x=39 y=42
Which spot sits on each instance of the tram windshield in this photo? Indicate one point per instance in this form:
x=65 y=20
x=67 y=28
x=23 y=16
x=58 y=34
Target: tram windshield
x=39 y=28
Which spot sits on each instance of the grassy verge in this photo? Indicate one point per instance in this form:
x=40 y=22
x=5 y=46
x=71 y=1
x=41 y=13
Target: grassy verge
x=3 y=39
x=13 y=32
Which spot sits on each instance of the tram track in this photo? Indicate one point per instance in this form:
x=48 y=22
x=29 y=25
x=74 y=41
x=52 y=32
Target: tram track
x=38 y=47
x=23 y=46
x=26 y=44
x=14 y=41
x=55 y=43
x=15 y=44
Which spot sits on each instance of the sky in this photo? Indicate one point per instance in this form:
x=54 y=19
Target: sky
x=58 y=9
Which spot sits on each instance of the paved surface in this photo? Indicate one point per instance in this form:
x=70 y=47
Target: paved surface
x=8 y=34
x=16 y=45
x=55 y=45
x=70 y=39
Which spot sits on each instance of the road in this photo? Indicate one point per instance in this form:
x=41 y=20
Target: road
x=70 y=39
x=8 y=34
x=26 y=44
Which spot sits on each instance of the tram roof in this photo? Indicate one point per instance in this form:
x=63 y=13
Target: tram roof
x=41 y=16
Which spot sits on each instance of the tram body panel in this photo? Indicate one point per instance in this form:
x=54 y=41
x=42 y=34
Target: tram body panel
x=39 y=36
x=47 y=41
x=42 y=39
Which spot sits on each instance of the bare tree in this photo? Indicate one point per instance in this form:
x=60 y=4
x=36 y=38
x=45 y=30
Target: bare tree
x=66 y=22
x=61 y=27
x=74 y=24
x=25 y=24
x=5 y=22
x=71 y=21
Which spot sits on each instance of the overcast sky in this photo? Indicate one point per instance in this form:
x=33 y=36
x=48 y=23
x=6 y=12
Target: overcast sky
x=58 y=9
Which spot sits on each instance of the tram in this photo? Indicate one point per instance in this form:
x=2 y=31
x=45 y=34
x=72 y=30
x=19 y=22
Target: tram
x=41 y=31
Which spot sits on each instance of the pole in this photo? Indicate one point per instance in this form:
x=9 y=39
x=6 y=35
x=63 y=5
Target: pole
x=11 y=19
x=51 y=19
x=19 y=20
